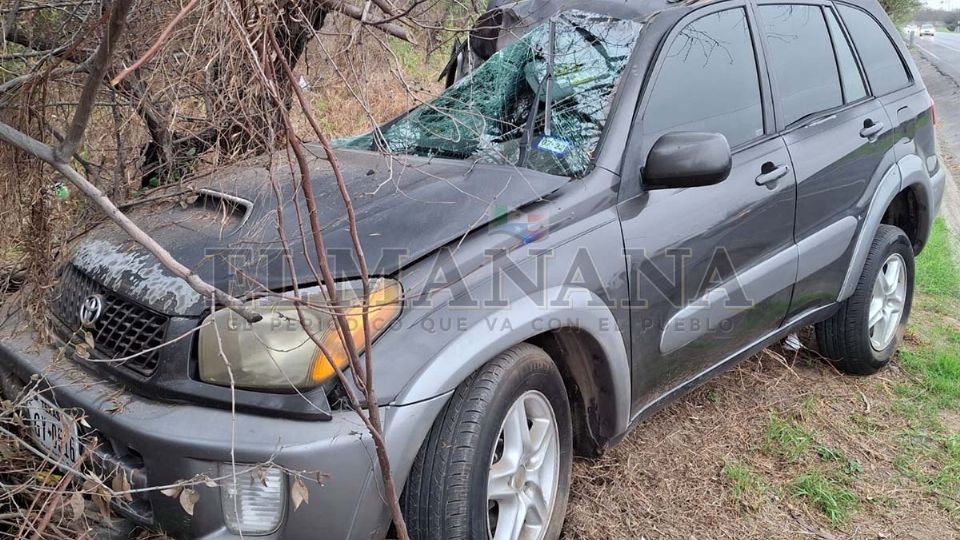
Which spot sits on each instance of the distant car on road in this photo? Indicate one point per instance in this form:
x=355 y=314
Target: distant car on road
x=927 y=30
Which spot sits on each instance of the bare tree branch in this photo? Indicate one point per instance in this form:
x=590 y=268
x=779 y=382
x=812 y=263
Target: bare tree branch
x=356 y=12
x=46 y=153
x=157 y=44
x=98 y=69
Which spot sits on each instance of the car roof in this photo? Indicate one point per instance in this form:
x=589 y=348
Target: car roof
x=539 y=10
x=535 y=11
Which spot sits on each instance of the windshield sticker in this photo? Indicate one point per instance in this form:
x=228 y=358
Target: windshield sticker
x=554 y=145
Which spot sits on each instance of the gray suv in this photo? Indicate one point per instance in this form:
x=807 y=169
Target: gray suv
x=616 y=201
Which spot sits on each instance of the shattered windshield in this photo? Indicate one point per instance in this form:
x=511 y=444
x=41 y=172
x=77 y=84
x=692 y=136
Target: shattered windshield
x=497 y=113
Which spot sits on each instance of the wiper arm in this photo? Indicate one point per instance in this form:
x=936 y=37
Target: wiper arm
x=527 y=138
x=551 y=53
x=547 y=82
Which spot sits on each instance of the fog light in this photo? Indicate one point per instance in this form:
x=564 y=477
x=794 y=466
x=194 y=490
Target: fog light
x=254 y=500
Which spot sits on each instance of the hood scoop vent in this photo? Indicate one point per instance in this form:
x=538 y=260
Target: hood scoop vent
x=232 y=212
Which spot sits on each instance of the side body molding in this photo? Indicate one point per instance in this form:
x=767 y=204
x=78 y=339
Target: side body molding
x=482 y=341
x=757 y=283
x=825 y=246
x=913 y=172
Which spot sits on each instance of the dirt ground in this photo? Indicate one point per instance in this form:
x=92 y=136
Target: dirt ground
x=667 y=480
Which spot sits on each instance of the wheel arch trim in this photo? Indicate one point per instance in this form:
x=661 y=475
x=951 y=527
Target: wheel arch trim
x=481 y=342
x=909 y=172
x=886 y=191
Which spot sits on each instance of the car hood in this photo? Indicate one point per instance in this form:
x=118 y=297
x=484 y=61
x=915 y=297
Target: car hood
x=230 y=228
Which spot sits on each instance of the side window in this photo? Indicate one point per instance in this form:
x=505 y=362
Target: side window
x=708 y=82
x=801 y=58
x=853 y=87
x=881 y=61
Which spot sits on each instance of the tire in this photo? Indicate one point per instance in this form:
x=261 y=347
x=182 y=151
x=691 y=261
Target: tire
x=847 y=338
x=446 y=495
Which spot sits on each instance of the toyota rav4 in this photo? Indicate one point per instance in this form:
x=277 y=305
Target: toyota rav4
x=612 y=202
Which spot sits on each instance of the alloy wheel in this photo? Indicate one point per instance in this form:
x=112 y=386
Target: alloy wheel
x=524 y=471
x=886 y=302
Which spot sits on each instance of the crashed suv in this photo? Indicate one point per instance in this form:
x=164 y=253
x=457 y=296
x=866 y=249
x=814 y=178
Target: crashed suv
x=614 y=203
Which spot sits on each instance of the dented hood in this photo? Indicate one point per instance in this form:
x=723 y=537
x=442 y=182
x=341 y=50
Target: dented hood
x=229 y=228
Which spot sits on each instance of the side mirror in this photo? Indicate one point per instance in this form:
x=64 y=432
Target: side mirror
x=687 y=159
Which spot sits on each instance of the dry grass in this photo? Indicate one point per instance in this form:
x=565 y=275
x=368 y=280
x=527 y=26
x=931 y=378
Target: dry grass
x=671 y=477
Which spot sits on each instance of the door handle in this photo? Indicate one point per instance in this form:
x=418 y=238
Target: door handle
x=870 y=128
x=773 y=175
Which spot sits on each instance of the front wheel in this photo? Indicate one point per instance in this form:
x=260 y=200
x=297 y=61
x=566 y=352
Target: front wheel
x=863 y=335
x=496 y=463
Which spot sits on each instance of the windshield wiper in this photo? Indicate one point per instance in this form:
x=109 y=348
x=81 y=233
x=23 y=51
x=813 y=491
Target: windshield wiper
x=546 y=81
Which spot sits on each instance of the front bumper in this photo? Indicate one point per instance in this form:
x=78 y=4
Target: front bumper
x=161 y=443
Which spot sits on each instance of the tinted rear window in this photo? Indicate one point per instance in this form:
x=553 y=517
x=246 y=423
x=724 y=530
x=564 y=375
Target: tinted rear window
x=802 y=60
x=853 y=88
x=884 y=67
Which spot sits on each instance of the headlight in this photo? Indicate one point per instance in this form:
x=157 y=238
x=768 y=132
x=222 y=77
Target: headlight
x=277 y=353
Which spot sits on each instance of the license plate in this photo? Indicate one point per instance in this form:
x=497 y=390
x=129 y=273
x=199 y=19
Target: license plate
x=52 y=429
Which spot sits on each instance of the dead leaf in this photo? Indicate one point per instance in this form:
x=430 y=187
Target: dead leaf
x=102 y=499
x=188 y=498
x=299 y=493
x=82 y=351
x=172 y=492
x=88 y=339
x=76 y=505
x=92 y=483
x=121 y=485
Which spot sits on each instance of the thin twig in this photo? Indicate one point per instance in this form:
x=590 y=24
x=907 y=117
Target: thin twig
x=157 y=44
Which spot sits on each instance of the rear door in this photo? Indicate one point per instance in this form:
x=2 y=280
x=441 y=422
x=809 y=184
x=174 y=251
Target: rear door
x=710 y=268
x=890 y=80
x=836 y=132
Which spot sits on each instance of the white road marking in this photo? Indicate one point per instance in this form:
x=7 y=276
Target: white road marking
x=942 y=44
x=928 y=52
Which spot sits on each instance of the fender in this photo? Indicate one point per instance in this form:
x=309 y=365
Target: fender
x=906 y=172
x=887 y=189
x=480 y=343
x=913 y=172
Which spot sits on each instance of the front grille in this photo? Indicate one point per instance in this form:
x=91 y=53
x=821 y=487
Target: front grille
x=124 y=328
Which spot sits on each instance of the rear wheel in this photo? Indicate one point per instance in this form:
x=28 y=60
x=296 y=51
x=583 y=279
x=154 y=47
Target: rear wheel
x=496 y=463
x=863 y=335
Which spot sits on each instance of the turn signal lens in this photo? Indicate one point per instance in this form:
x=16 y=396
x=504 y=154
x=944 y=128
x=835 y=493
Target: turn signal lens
x=253 y=501
x=384 y=306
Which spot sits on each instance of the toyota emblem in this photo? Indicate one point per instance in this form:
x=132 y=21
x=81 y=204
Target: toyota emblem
x=91 y=309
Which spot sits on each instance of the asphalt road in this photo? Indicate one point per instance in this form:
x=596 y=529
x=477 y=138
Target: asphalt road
x=939 y=62
x=944 y=46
